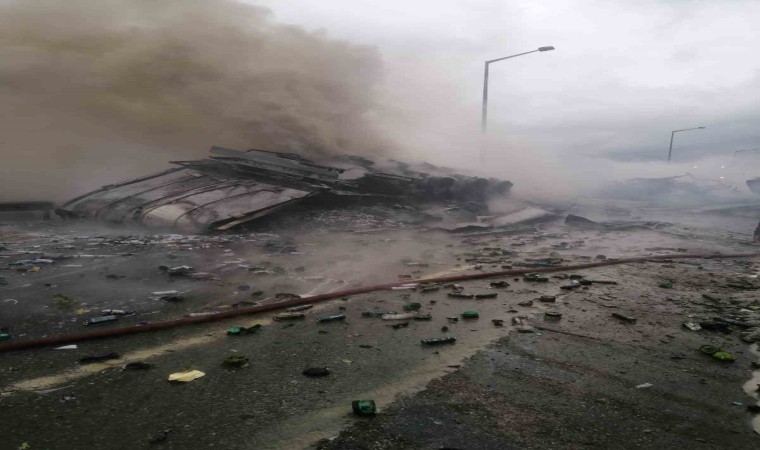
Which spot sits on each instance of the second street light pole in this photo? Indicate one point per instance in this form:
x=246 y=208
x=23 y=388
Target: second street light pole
x=673 y=133
x=484 y=114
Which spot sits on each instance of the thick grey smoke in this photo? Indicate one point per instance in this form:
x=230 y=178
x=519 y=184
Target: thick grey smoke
x=92 y=90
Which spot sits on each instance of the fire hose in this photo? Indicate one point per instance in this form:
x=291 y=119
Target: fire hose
x=165 y=324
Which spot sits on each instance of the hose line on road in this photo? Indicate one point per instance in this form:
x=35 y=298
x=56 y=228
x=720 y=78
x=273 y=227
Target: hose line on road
x=165 y=324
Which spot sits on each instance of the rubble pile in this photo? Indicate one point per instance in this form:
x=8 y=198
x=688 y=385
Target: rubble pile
x=233 y=187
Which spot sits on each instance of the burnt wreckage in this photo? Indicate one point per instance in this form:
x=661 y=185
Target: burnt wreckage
x=236 y=187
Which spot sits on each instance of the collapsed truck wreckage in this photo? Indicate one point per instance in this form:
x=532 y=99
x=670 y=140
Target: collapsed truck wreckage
x=236 y=187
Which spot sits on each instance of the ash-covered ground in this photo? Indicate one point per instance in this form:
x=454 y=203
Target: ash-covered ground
x=586 y=380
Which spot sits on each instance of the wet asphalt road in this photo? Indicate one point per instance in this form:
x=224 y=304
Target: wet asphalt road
x=269 y=404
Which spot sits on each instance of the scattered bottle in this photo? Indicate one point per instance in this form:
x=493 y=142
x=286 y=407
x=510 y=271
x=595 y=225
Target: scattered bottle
x=439 y=341
x=334 y=318
x=623 y=317
x=101 y=319
x=364 y=407
x=299 y=308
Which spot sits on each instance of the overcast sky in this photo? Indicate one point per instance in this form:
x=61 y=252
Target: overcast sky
x=625 y=72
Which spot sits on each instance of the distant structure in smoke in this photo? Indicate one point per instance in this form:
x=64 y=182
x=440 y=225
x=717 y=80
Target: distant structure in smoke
x=174 y=75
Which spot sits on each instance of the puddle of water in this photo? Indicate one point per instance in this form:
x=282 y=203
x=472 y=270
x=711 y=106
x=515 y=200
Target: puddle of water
x=751 y=386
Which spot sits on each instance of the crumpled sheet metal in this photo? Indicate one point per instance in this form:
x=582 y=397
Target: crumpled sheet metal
x=185 y=199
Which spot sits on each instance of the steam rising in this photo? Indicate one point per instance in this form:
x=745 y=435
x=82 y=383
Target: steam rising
x=93 y=90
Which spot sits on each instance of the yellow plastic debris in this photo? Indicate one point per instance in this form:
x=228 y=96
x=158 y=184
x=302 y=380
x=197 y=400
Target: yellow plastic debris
x=184 y=377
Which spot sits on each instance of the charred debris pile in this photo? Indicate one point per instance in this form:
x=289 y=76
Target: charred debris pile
x=232 y=188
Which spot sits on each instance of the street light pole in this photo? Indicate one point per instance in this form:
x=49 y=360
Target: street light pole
x=484 y=112
x=672 y=134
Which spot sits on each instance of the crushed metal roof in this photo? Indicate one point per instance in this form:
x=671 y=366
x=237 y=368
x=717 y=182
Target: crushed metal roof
x=233 y=187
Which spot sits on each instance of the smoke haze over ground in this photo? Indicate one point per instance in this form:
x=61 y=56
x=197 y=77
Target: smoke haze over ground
x=96 y=91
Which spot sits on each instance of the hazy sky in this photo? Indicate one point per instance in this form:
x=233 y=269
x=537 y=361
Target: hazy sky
x=625 y=72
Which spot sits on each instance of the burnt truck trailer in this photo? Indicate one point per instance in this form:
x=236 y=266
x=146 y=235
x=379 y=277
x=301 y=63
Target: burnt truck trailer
x=232 y=188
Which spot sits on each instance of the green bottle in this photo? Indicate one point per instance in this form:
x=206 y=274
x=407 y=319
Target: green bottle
x=364 y=407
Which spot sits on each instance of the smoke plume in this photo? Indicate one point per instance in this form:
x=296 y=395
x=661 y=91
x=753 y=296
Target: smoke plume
x=96 y=90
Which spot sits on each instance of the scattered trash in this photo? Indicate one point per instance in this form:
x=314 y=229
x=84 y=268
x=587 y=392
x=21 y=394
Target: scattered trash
x=67 y=398
x=526 y=304
x=137 y=365
x=439 y=341
x=535 y=278
x=693 y=326
x=405 y=287
x=397 y=326
x=184 y=377
x=316 y=372
x=289 y=316
x=624 y=317
x=644 y=386
x=412 y=306
x=364 y=407
x=543 y=299
x=709 y=349
x=737 y=403
x=452 y=319
x=67 y=347
x=180 y=271
x=101 y=319
x=4 y=337
x=470 y=315
x=724 y=356
x=99 y=358
x=235 y=361
x=552 y=316
x=405 y=316
x=717 y=353
x=373 y=314
x=574 y=284
x=497 y=322
x=498 y=284
x=238 y=331
x=423 y=317
x=666 y=285
x=425 y=288
x=299 y=308
x=333 y=318
x=117 y=312
x=167 y=296
x=244 y=287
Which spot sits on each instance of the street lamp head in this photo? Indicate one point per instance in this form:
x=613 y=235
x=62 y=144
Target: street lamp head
x=701 y=128
x=545 y=49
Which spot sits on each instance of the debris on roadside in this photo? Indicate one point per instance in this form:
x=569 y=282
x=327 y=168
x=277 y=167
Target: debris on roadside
x=405 y=316
x=439 y=340
x=289 y=316
x=333 y=318
x=374 y=314
x=552 y=316
x=298 y=308
x=99 y=358
x=623 y=317
x=101 y=320
x=717 y=353
x=167 y=296
x=364 y=407
x=316 y=372
x=239 y=331
x=470 y=314
x=185 y=377
x=693 y=326
x=137 y=365
x=235 y=361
